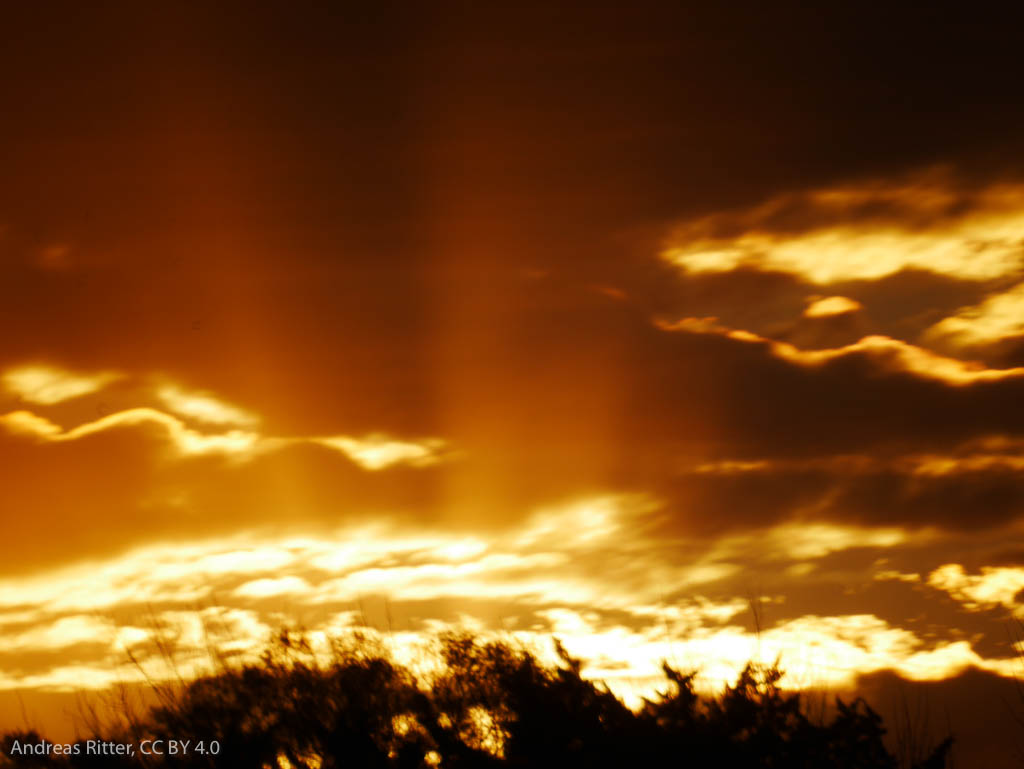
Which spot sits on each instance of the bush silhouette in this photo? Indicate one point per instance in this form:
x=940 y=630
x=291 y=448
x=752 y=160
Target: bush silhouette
x=490 y=704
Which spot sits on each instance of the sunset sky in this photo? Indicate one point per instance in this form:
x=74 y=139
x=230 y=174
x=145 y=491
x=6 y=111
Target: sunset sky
x=533 y=318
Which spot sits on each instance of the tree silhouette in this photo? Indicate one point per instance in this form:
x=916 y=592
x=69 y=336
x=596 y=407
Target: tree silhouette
x=491 y=704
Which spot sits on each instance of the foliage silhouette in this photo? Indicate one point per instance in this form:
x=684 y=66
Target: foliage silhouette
x=489 y=704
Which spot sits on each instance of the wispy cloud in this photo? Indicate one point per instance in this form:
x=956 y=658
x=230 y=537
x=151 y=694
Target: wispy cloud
x=994 y=586
x=998 y=317
x=378 y=451
x=883 y=352
x=47 y=385
x=204 y=407
x=184 y=439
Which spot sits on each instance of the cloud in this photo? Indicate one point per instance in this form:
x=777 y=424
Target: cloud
x=994 y=586
x=831 y=305
x=583 y=522
x=802 y=541
x=184 y=440
x=154 y=574
x=204 y=407
x=610 y=611
x=170 y=479
x=893 y=574
x=47 y=385
x=269 y=586
x=814 y=650
x=376 y=452
x=26 y=423
x=69 y=631
x=999 y=317
x=884 y=353
x=759 y=397
x=864 y=231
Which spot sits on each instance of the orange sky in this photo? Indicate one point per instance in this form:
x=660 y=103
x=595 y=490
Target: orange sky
x=570 y=320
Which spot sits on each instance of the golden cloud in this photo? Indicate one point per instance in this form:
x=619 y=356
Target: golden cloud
x=994 y=586
x=26 y=423
x=183 y=439
x=372 y=452
x=800 y=541
x=47 y=385
x=968 y=458
x=328 y=574
x=863 y=231
x=377 y=451
x=204 y=407
x=886 y=353
x=831 y=305
x=999 y=316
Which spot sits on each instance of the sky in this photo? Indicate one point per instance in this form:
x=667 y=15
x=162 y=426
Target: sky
x=681 y=332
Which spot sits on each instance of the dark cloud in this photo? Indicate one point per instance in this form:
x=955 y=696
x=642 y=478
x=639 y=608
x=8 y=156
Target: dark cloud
x=960 y=500
x=906 y=303
x=710 y=503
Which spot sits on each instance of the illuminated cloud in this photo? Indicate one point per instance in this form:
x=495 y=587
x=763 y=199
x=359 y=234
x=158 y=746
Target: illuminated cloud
x=27 y=423
x=584 y=522
x=885 y=353
x=204 y=407
x=70 y=631
x=47 y=385
x=495 y=575
x=184 y=439
x=939 y=465
x=898 y=355
x=899 y=576
x=269 y=586
x=148 y=575
x=813 y=650
x=964 y=460
x=230 y=629
x=370 y=452
x=863 y=232
x=620 y=625
x=835 y=649
x=831 y=305
x=367 y=544
x=994 y=586
x=800 y=541
x=1000 y=316
x=377 y=452
x=74 y=678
